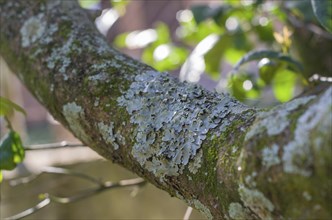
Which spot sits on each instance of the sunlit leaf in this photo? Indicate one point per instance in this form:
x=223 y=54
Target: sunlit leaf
x=232 y=55
x=120 y=40
x=88 y=3
x=120 y=5
x=323 y=12
x=11 y=151
x=163 y=35
x=174 y=58
x=1 y=177
x=192 y=34
x=7 y=107
x=283 y=84
x=273 y=55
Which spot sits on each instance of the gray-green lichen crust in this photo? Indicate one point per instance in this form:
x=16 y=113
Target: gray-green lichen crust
x=32 y=30
x=172 y=121
x=298 y=157
x=198 y=205
x=276 y=120
x=110 y=136
x=73 y=114
x=256 y=202
x=237 y=211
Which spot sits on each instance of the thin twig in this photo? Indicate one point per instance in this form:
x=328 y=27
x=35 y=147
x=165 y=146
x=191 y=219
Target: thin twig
x=93 y=191
x=53 y=146
x=31 y=210
x=55 y=170
x=48 y=198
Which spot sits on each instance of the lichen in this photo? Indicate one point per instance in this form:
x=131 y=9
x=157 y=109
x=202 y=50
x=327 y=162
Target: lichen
x=275 y=120
x=250 y=179
x=237 y=211
x=32 y=30
x=74 y=114
x=297 y=156
x=256 y=202
x=61 y=56
x=109 y=136
x=270 y=156
x=199 y=206
x=173 y=120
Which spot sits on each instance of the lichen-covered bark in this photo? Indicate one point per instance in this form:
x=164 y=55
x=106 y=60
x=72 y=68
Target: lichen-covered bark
x=228 y=160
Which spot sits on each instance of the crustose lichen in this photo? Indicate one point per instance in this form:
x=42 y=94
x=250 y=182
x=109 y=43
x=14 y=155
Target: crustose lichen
x=172 y=120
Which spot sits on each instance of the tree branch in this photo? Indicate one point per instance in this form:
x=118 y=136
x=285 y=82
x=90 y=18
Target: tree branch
x=62 y=144
x=224 y=158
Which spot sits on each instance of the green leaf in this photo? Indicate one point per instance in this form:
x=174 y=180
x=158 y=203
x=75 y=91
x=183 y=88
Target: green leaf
x=204 y=12
x=120 y=40
x=272 y=55
x=1 y=177
x=232 y=55
x=283 y=85
x=88 y=3
x=11 y=151
x=7 y=107
x=162 y=33
x=265 y=33
x=267 y=69
x=323 y=12
x=213 y=57
x=239 y=88
x=175 y=59
x=191 y=33
x=119 y=5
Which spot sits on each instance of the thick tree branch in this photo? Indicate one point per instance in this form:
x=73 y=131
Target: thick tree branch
x=218 y=155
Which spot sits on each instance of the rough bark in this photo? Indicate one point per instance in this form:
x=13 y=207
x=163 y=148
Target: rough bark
x=226 y=159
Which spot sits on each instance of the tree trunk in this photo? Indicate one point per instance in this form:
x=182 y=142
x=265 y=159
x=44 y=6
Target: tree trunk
x=226 y=159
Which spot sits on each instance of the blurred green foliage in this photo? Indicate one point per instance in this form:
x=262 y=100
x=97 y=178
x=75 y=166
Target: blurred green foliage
x=323 y=12
x=256 y=31
x=117 y=4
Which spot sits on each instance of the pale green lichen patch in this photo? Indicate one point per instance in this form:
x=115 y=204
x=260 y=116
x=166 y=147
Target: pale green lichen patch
x=270 y=156
x=256 y=202
x=172 y=121
x=111 y=137
x=32 y=30
x=250 y=179
x=297 y=156
x=73 y=114
x=61 y=56
x=199 y=206
x=276 y=120
x=237 y=211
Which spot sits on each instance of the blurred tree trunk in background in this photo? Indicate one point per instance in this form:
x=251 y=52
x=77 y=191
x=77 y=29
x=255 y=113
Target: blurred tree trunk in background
x=225 y=159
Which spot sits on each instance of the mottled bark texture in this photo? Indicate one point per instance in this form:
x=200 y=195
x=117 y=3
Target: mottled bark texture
x=228 y=160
